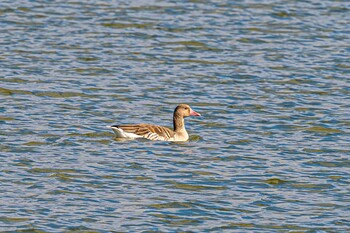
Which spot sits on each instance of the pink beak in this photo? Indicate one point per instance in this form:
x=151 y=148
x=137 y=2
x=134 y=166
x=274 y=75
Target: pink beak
x=193 y=113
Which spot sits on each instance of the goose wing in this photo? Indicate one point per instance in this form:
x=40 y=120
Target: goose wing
x=151 y=132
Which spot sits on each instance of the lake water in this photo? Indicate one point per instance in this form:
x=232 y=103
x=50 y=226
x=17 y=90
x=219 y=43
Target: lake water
x=270 y=153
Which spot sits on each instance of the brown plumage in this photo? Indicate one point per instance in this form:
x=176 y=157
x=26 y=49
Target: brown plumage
x=155 y=132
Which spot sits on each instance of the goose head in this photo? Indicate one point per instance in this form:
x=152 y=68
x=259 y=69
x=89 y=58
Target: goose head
x=185 y=110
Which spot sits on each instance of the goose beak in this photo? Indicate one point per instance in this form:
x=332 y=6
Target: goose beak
x=193 y=113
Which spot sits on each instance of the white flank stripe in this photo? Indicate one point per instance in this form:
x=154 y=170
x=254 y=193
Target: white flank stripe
x=119 y=133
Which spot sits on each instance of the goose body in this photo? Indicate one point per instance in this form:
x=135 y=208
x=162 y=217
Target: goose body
x=155 y=132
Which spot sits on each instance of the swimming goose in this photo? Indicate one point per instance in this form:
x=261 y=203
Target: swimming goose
x=155 y=132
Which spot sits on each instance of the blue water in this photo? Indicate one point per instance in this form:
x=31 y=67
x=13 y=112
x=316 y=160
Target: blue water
x=269 y=154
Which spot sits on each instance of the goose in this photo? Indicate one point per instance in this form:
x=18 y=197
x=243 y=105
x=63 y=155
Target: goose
x=155 y=132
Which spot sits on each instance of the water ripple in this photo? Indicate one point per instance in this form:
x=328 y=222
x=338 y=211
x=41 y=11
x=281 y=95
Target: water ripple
x=269 y=154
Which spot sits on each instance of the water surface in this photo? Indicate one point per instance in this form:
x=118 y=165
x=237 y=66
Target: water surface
x=269 y=154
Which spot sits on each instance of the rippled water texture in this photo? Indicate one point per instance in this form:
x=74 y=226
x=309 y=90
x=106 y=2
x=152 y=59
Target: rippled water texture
x=270 y=153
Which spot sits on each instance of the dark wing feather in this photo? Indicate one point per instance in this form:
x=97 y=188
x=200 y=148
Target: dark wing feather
x=152 y=132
